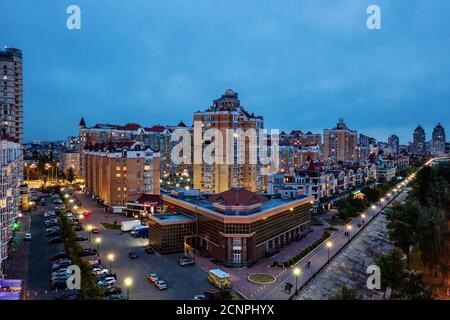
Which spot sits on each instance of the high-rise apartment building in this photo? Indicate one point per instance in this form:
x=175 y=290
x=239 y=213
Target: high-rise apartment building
x=437 y=143
x=227 y=113
x=10 y=179
x=11 y=87
x=394 y=144
x=339 y=143
x=418 y=145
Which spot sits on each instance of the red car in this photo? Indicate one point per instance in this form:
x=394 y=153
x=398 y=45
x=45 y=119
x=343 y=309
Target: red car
x=95 y=230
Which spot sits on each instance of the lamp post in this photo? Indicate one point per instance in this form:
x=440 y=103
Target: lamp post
x=296 y=274
x=363 y=216
x=373 y=209
x=349 y=229
x=329 y=245
x=110 y=259
x=89 y=229
x=128 y=282
x=97 y=241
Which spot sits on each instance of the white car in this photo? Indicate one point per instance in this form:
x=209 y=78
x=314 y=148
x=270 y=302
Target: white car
x=100 y=271
x=49 y=214
x=27 y=237
x=107 y=282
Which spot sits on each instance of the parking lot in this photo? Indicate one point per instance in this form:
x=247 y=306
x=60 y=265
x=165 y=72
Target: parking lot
x=183 y=282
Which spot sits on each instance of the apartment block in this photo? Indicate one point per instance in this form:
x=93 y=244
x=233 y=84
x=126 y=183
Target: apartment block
x=117 y=172
x=227 y=113
x=339 y=143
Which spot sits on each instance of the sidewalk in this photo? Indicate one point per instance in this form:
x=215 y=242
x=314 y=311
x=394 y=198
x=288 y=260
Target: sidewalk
x=319 y=257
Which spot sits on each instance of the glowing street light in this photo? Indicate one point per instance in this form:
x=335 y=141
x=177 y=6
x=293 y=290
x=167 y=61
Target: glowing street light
x=128 y=282
x=363 y=216
x=296 y=272
x=98 y=241
x=329 y=245
x=89 y=229
x=111 y=258
x=349 y=230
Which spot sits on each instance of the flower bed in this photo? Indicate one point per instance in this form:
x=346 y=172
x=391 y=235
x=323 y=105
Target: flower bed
x=261 y=278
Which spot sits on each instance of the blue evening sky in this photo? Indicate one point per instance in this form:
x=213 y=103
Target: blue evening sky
x=300 y=64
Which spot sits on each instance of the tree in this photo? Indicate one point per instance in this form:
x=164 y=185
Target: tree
x=70 y=174
x=412 y=287
x=433 y=238
x=346 y=293
x=402 y=226
x=391 y=267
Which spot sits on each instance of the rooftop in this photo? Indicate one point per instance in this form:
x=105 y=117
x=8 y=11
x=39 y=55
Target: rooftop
x=169 y=218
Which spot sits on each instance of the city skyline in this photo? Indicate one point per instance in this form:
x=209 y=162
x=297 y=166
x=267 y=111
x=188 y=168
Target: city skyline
x=332 y=71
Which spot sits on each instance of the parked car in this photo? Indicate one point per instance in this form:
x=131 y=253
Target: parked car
x=107 y=282
x=78 y=228
x=61 y=264
x=68 y=294
x=53 y=233
x=55 y=240
x=149 y=250
x=152 y=277
x=58 y=284
x=58 y=256
x=95 y=230
x=88 y=252
x=49 y=214
x=114 y=290
x=116 y=297
x=80 y=238
x=161 y=284
x=100 y=271
x=27 y=237
x=57 y=201
x=133 y=254
x=200 y=297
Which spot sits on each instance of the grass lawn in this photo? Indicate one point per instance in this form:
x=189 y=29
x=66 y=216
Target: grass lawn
x=261 y=278
x=337 y=221
x=111 y=226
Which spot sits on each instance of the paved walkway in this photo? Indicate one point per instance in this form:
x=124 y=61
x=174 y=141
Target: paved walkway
x=350 y=265
x=320 y=257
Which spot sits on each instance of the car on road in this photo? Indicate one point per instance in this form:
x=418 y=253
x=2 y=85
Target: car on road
x=27 y=237
x=161 y=284
x=149 y=250
x=152 y=277
x=95 y=230
x=200 y=297
x=55 y=240
x=186 y=261
x=81 y=238
x=133 y=254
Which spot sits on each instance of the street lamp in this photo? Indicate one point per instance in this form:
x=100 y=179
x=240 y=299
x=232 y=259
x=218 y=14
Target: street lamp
x=363 y=216
x=329 y=245
x=97 y=241
x=128 y=282
x=89 y=229
x=296 y=274
x=373 y=209
x=349 y=229
x=110 y=259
